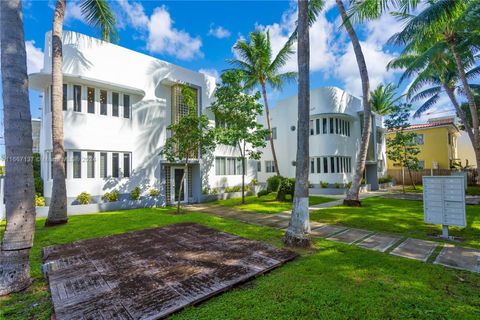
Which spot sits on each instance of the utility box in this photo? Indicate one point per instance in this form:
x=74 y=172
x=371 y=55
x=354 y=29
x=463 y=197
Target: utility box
x=444 y=201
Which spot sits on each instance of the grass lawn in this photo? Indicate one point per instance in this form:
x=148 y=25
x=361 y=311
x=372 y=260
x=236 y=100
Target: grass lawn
x=471 y=190
x=398 y=216
x=267 y=204
x=334 y=281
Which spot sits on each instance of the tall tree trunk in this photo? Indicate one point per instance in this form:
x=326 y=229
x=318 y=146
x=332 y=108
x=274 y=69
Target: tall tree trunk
x=57 y=212
x=19 y=185
x=468 y=128
x=242 y=153
x=299 y=226
x=267 y=115
x=352 y=198
x=185 y=170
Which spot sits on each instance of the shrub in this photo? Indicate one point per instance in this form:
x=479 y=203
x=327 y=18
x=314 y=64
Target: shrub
x=135 y=193
x=348 y=185
x=39 y=201
x=227 y=190
x=254 y=182
x=323 y=184
x=84 y=198
x=205 y=190
x=273 y=183
x=385 y=179
x=237 y=189
x=262 y=193
x=337 y=185
x=287 y=187
x=214 y=191
x=247 y=188
x=154 y=192
x=111 y=196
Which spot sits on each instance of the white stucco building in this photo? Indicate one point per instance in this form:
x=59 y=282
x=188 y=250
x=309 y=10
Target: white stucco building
x=117 y=106
x=336 y=119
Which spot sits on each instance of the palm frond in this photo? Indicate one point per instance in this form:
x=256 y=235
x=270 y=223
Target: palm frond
x=427 y=93
x=426 y=106
x=282 y=57
x=473 y=73
x=98 y=14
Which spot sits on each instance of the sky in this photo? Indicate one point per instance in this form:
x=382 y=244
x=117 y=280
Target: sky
x=200 y=35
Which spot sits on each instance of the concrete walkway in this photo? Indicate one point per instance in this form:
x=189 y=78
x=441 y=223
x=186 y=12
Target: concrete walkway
x=450 y=256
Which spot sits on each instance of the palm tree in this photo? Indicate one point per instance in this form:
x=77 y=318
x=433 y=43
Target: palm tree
x=384 y=98
x=98 y=14
x=19 y=186
x=259 y=69
x=352 y=198
x=299 y=226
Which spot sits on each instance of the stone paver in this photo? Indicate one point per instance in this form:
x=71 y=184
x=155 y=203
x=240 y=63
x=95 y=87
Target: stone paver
x=349 y=236
x=281 y=224
x=326 y=231
x=379 y=242
x=459 y=258
x=316 y=225
x=415 y=249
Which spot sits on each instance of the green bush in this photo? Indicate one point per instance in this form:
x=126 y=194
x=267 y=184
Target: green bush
x=205 y=190
x=287 y=187
x=135 y=193
x=84 y=198
x=237 y=189
x=247 y=188
x=348 y=185
x=254 y=182
x=273 y=183
x=39 y=201
x=262 y=193
x=386 y=179
x=37 y=179
x=154 y=192
x=111 y=196
x=227 y=190
x=214 y=191
x=323 y=184
x=337 y=185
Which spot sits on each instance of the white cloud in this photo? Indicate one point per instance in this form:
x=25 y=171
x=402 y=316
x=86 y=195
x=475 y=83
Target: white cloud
x=211 y=72
x=34 y=57
x=73 y=11
x=218 y=32
x=135 y=14
x=163 y=38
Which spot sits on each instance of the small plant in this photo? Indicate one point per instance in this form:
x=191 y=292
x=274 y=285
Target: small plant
x=214 y=191
x=84 y=198
x=287 y=187
x=135 y=193
x=154 y=192
x=205 y=191
x=39 y=201
x=348 y=185
x=273 y=183
x=262 y=193
x=337 y=185
x=227 y=190
x=247 y=188
x=323 y=184
x=111 y=196
x=254 y=182
x=237 y=189
x=386 y=179
x=310 y=185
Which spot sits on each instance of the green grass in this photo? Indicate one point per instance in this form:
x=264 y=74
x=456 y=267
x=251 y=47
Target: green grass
x=267 y=204
x=335 y=281
x=398 y=216
x=471 y=190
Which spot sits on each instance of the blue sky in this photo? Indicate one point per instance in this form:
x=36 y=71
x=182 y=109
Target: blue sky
x=199 y=35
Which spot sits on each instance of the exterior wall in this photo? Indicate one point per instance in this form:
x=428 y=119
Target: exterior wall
x=465 y=150
x=325 y=102
x=93 y=63
x=435 y=149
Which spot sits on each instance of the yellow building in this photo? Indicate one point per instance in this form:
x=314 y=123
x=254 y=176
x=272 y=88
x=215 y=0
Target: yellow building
x=437 y=140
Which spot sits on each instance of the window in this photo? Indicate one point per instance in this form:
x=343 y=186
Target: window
x=336 y=126
x=324 y=121
x=449 y=137
x=312 y=129
x=90 y=164
x=228 y=166
x=115 y=104
x=419 y=139
x=317 y=126
x=115 y=165
x=220 y=166
x=269 y=166
x=90 y=100
x=259 y=166
x=103 y=102
x=348 y=128
x=338 y=165
x=325 y=165
x=312 y=165
x=331 y=125
x=77 y=98
x=319 y=169
x=126 y=165
x=103 y=165
x=274 y=133
x=332 y=164
x=179 y=107
x=126 y=106
x=77 y=164
x=239 y=167
x=65 y=97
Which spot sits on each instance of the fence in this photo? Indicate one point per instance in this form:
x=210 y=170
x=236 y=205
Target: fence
x=396 y=174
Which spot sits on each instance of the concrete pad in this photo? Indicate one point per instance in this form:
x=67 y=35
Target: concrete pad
x=326 y=231
x=316 y=224
x=282 y=224
x=415 y=249
x=379 y=242
x=459 y=258
x=349 y=236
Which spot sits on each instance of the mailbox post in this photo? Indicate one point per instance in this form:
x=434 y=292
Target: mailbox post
x=444 y=201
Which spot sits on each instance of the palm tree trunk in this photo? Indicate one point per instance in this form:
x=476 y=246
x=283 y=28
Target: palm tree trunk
x=19 y=185
x=475 y=143
x=352 y=198
x=299 y=226
x=57 y=212
x=267 y=115
x=185 y=170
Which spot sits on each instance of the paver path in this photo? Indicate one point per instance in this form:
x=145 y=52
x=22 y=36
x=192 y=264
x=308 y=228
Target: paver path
x=451 y=256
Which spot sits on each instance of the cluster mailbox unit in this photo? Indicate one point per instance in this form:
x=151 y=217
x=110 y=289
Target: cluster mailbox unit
x=444 y=201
